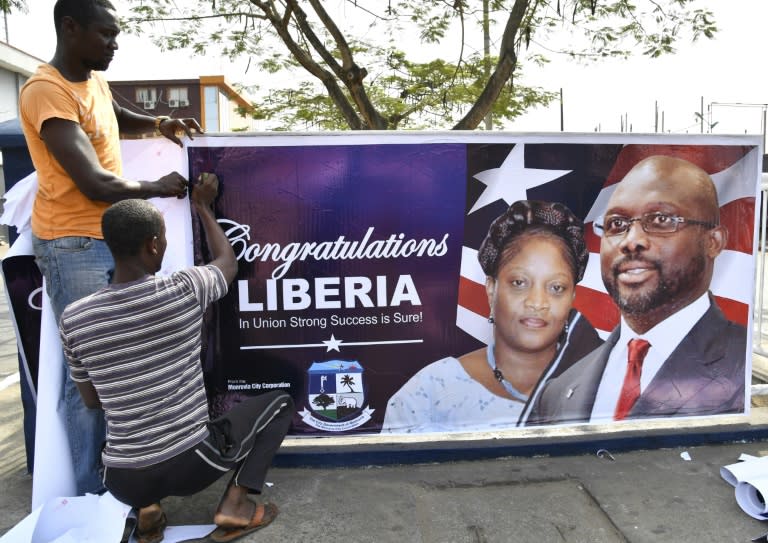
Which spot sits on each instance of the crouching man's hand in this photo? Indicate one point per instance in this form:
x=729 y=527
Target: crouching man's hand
x=206 y=189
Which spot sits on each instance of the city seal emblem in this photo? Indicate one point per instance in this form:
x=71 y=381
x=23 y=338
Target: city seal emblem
x=336 y=399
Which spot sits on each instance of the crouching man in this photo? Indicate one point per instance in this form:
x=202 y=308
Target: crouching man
x=133 y=348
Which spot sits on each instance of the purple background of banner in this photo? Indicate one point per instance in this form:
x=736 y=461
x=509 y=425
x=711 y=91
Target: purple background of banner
x=298 y=194
x=22 y=277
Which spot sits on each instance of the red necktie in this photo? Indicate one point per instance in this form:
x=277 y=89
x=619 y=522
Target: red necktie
x=630 y=390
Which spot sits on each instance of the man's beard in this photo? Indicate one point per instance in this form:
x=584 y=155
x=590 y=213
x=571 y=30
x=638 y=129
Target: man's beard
x=671 y=286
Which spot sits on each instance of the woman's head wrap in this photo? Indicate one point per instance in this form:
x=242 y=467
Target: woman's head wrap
x=531 y=217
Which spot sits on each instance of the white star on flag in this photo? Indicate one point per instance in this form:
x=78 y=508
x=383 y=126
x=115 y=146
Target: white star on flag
x=511 y=180
x=332 y=344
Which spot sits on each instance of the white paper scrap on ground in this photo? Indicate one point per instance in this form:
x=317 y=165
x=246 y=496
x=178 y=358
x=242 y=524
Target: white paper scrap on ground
x=749 y=496
x=743 y=471
x=83 y=519
x=87 y=519
x=175 y=534
x=750 y=479
x=685 y=455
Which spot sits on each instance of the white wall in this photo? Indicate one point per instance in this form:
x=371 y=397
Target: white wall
x=15 y=67
x=10 y=84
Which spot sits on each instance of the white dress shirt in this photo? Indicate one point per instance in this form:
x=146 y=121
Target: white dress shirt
x=664 y=338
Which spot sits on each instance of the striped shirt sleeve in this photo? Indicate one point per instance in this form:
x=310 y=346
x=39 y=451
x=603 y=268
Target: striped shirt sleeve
x=206 y=282
x=76 y=369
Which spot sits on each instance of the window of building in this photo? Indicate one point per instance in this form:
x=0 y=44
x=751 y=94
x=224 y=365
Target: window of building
x=225 y=109
x=178 y=97
x=211 y=108
x=146 y=97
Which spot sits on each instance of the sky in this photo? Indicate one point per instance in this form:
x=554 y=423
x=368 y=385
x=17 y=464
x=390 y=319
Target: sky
x=729 y=69
x=721 y=72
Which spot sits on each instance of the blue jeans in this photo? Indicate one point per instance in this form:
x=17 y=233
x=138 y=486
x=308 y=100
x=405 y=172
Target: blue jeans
x=74 y=267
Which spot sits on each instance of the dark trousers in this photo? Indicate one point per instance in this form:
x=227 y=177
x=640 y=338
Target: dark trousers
x=244 y=439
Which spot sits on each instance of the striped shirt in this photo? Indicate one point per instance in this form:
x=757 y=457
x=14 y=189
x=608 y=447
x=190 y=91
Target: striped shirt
x=139 y=345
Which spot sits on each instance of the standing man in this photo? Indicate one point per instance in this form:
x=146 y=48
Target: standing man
x=133 y=347
x=72 y=127
x=674 y=352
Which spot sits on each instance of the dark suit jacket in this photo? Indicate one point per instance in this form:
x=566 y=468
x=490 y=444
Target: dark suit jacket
x=704 y=375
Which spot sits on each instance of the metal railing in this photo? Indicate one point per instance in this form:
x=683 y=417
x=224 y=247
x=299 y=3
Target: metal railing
x=760 y=302
x=760 y=311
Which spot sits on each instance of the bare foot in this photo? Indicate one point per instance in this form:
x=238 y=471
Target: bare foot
x=262 y=516
x=243 y=515
x=235 y=509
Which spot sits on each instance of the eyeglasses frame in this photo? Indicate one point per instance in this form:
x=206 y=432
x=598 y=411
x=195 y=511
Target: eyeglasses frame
x=678 y=220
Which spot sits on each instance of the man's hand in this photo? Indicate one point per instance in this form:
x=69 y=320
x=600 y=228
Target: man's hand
x=172 y=184
x=206 y=189
x=170 y=127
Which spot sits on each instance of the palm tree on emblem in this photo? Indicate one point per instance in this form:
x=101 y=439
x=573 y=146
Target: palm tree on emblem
x=348 y=381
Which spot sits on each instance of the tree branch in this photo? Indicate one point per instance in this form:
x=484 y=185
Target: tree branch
x=333 y=30
x=193 y=17
x=395 y=120
x=501 y=74
x=461 y=50
x=368 y=11
x=350 y=73
x=280 y=24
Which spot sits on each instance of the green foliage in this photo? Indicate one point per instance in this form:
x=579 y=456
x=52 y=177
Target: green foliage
x=412 y=96
x=341 y=78
x=8 y=6
x=620 y=28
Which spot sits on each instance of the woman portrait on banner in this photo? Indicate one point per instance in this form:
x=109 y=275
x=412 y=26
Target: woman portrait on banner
x=533 y=256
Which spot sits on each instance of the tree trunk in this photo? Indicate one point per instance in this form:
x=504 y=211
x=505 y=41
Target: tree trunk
x=281 y=26
x=501 y=74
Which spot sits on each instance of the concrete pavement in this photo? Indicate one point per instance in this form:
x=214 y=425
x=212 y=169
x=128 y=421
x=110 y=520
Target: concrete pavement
x=537 y=485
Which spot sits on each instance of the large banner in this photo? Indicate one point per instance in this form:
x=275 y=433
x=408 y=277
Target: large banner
x=373 y=287
x=413 y=282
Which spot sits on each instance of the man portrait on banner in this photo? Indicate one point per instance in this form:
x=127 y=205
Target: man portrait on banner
x=674 y=353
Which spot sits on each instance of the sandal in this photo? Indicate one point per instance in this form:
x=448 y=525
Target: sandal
x=223 y=534
x=154 y=533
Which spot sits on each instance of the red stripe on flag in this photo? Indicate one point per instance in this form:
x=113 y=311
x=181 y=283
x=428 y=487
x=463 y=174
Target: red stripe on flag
x=472 y=296
x=598 y=307
x=711 y=158
x=734 y=311
x=738 y=216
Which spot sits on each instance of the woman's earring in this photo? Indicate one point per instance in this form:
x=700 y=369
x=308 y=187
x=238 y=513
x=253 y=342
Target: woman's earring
x=491 y=319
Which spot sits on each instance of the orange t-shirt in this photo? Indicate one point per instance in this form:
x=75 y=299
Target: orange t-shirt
x=60 y=209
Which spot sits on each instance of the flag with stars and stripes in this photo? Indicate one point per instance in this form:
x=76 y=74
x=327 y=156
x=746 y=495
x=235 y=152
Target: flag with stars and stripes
x=583 y=177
